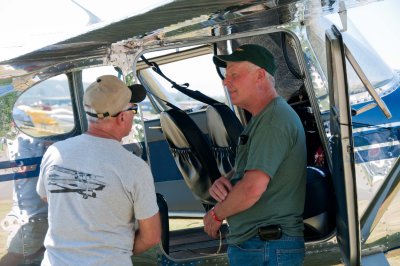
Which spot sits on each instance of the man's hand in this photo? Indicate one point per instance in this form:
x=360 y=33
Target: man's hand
x=211 y=226
x=220 y=189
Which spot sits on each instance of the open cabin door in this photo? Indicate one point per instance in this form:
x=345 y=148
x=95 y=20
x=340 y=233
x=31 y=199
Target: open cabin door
x=347 y=222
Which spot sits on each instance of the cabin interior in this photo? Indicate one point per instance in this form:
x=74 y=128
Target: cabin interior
x=192 y=135
x=178 y=136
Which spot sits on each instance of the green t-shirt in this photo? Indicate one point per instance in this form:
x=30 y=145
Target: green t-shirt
x=273 y=142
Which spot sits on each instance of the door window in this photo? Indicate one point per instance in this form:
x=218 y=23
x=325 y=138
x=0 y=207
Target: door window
x=198 y=73
x=45 y=109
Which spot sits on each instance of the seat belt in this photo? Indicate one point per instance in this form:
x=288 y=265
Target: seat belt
x=197 y=95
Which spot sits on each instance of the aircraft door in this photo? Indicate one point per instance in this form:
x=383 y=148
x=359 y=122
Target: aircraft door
x=347 y=222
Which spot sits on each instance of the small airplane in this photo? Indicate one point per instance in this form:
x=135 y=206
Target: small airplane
x=72 y=181
x=329 y=72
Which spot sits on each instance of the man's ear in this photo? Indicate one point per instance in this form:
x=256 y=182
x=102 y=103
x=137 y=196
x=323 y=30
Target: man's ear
x=261 y=73
x=120 y=118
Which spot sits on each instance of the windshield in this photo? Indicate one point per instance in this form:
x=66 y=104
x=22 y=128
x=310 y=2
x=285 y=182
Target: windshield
x=366 y=51
x=373 y=42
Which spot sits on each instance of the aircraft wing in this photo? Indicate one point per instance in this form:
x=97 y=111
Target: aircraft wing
x=100 y=34
x=168 y=20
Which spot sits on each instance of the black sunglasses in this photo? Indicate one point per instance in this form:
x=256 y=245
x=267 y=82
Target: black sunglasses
x=133 y=108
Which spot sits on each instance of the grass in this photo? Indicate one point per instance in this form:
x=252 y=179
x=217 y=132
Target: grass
x=183 y=223
x=5 y=207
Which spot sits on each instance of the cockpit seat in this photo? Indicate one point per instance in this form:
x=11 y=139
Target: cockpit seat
x=191 y=152
x=224 y=129
x=319 y=208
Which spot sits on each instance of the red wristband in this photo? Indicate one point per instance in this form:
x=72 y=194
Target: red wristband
x=215 y=216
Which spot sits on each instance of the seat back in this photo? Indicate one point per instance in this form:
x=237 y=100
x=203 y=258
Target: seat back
x=224 y=129
x=191 y=151
x=199 y=161
x=319 y=208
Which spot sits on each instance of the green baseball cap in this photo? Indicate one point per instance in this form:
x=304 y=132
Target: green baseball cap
x=252 y=53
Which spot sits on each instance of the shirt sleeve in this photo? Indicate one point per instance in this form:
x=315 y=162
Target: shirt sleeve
x=144 y=196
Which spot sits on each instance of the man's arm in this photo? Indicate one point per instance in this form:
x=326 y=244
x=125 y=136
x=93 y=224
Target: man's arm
x=243 y=195
x=148 y=234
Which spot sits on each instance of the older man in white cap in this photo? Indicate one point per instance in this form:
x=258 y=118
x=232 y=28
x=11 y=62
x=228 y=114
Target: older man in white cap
x=102 y=201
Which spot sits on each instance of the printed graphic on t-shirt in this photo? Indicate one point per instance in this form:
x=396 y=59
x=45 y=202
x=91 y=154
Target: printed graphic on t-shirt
x=64 y=180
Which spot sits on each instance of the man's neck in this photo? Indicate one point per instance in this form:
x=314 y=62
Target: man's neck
x=262 y=102
x=101 y=133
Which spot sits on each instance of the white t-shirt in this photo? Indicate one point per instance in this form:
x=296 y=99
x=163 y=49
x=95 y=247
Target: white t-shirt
x=96 y=190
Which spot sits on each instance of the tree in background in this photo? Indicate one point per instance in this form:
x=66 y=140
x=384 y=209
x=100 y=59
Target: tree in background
x=6 y=105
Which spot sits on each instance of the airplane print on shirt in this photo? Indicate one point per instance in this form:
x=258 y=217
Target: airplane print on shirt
x=68 y=180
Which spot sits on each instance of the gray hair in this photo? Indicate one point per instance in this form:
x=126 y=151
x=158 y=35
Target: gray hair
x=95 y=120
x=268 y=76
x=92 y=119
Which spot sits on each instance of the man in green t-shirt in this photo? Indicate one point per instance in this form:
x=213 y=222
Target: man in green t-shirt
x=263 y=201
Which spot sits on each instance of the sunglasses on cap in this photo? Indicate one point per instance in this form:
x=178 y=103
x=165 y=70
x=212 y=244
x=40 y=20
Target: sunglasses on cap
x=133 y=108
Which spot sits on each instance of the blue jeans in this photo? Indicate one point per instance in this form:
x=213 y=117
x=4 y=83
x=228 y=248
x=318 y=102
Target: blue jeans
x=289 y=250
